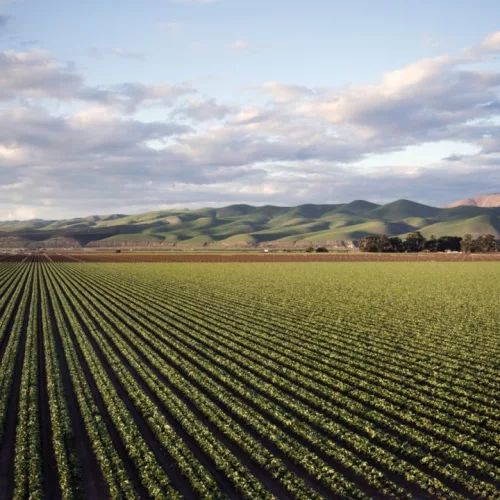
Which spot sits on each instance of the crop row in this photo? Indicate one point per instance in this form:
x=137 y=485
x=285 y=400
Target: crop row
x=339 y=325
x=248 y=381
x=28 y=462
x=411 y=381
x=11 y=326
x=451 y=454
x=176 y=407
x=305 y=380
x=287 y=401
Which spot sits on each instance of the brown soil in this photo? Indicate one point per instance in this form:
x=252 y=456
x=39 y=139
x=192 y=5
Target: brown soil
x=136 y=257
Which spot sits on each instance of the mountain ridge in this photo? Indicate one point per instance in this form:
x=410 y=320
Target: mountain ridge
x=242 y=225
x=481 y=200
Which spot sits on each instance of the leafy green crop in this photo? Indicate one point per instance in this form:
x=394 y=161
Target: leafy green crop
x=312 y=380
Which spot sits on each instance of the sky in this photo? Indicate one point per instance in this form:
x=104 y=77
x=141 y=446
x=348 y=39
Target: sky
x=130 y=106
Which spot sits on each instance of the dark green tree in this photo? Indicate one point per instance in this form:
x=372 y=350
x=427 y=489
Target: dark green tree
x=415 y=242
x=467 y=244
x=432 y=244
x=369 y=244
x=396 y=244
x=485 y=243
x=383 y=244
x=449 y=243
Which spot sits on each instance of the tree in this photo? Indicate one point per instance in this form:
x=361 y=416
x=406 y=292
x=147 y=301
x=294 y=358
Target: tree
x=467 y=243
x=485 y=243
x=415 y=242
x=384 y=244
x=381 y=244
x=432 y=244
x=369 y=244
x=396 y=244
x=322 y=249
x=449 y=243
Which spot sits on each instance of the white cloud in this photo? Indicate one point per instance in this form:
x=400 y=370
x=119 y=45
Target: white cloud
x=201 y=110
x=430 y=97
x=302 y=145
x=20 y=213
x=11 y=153
x=491 y=42
x=36 y=75
x=238 y=46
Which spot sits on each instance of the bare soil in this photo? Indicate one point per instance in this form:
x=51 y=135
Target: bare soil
x=133 y=257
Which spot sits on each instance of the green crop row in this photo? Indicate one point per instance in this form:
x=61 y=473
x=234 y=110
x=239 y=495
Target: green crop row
x=111 y=463
x=27 y=461
x=11 y=334
x=302 y=381
x=308 y=434
x=424 y=448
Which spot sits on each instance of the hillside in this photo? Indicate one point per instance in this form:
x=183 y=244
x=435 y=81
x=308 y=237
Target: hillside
x=239 y=226
x=482 y=200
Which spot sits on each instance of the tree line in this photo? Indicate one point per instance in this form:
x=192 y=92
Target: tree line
x=416 y=242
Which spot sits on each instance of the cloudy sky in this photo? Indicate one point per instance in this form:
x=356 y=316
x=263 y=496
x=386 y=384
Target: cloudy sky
x=135 y=105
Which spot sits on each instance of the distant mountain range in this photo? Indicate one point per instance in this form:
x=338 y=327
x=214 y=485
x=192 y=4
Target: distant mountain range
x=482 y=200
x=248 y=226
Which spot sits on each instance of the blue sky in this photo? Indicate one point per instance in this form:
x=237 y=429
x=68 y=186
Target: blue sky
x=189 y=103
x=313 y=43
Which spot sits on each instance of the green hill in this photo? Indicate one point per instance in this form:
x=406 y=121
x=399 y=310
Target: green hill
x=483 y=224
x=246 y=225
x=357 y=207
x=418 y=222
x=239 y=240
x=402 y=209
x=354 y=232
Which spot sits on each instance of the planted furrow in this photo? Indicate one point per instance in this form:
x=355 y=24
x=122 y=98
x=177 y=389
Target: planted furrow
x=290 y=381
x=28 y=460
x=89 y=474
x=10 y=303
x=364 y=427
x=304 y=318
x=10 y=384
x=481 y=486
x=286 y=349
x=112 y=466
x=152 y=476
x=187 y=418
x=67 y=466
x=325 y=335
x=291 y=422
x=250 y=487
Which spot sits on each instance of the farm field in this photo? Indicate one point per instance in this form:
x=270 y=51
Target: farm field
x=244 y=257
x=354 y=380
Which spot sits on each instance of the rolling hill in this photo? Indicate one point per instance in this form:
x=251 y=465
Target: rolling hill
x=246 y=226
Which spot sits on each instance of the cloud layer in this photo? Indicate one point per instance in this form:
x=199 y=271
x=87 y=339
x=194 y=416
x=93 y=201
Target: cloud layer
x=298 y=145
